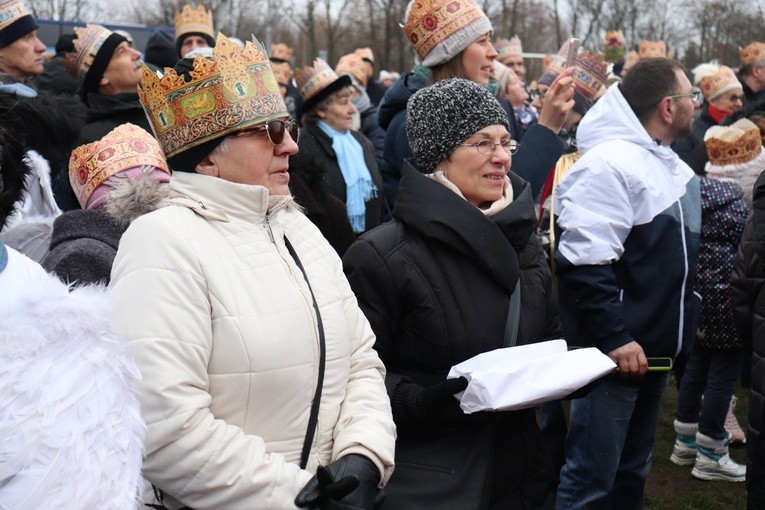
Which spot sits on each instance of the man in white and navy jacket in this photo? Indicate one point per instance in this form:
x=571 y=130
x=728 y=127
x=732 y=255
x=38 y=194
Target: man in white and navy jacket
x=629 y=221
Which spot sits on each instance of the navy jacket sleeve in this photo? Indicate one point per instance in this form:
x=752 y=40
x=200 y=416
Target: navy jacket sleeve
x=540 y=150
x=396 y=151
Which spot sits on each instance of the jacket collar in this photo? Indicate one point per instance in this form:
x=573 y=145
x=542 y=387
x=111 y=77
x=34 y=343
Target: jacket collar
x=217 y=199
x=438 y=215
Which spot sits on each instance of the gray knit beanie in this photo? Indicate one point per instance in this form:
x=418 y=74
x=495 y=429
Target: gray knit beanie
x=441 y=117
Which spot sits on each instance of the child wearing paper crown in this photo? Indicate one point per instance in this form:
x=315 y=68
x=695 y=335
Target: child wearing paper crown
x=736 y=159
x=116 y=179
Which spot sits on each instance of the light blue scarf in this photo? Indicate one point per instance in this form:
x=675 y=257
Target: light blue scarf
x=358 y=181
x=3 y=256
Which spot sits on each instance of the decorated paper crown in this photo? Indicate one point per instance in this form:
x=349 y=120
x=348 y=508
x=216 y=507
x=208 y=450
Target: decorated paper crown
x=652 y=49
x=754 y=52
x=352 y=64
x=193 y=21
x=318 y=82
x=282 y=72
x=590 y=74
x=716 y=82
x=126 y=146
x=93 y=49
x=440 y=29
x=15 y=21
x=280 y=52
x=508 y=48
x=557 y=64
x=234 y=89
x=735 y=144
x=614 y=49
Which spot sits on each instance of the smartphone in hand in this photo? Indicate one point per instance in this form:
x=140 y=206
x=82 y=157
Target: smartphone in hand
x=573 y=50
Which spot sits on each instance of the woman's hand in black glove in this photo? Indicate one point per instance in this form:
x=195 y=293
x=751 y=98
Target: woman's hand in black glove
x=351 y=482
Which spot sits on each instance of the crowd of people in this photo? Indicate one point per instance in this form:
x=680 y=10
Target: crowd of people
x=230 y=284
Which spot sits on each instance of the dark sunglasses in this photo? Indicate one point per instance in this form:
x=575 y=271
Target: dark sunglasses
x=275 y=130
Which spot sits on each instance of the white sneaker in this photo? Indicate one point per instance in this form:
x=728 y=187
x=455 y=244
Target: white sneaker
x=724 y=468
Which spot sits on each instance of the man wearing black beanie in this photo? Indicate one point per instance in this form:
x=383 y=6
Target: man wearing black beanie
x=21 y=52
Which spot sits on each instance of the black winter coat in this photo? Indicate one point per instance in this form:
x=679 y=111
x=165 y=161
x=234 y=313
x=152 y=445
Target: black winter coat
x=435 y=286
x=748 y=299
x=540 y=147
x=316 y=155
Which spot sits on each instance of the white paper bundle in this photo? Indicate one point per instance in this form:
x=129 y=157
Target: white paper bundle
x=527 y=375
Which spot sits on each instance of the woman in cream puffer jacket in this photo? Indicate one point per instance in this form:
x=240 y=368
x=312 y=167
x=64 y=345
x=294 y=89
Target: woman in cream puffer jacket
x=222 y=325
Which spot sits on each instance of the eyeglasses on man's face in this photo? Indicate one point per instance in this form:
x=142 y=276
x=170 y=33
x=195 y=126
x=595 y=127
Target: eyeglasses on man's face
x=487 y=147
x=275 y=130
x=695 y=95
x=537 y=94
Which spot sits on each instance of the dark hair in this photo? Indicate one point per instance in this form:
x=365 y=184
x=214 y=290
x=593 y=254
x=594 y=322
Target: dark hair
x=648 y=82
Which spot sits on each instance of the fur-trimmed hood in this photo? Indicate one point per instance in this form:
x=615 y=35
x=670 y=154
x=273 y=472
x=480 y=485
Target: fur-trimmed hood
x=71 y=433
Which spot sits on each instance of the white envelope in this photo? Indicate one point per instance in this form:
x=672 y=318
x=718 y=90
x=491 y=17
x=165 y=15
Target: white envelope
x=527 y=375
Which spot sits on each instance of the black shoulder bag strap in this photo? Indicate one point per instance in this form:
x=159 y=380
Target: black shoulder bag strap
x=314 y=417
x=513 y=317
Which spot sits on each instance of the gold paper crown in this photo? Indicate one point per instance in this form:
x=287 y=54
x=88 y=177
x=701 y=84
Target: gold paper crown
x=754 y=52
x=280 y=51
x=312 y=80
x=719 y=83
x=282 y=72
x=735 y=144
x=352 y=65
x=507 y=48
x=234 y=89
x=431 y=22
x=11 y=11
x=652 y=49
x=87 y=43
x=126 y=146
x=198 y=20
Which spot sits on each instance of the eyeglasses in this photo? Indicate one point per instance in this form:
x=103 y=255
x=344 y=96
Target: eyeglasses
x=736 y=98
x=537 y=94
x=487 y=147
x=695 y=95
x=275 y=130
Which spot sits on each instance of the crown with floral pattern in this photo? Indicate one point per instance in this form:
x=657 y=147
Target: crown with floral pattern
x=735 y=144
x=193 y=20
x=126 y=146
x=234 y=89
x=614 y=46
x=754 y=52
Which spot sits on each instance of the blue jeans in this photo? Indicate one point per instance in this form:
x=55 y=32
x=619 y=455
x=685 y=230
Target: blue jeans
x=712 y=373
x=608 y=448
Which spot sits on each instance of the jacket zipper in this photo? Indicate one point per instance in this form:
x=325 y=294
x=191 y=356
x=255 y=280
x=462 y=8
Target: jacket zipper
x=268 y=228
x=685 y=279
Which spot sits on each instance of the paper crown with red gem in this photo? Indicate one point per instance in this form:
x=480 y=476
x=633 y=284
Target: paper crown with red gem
x=735 y=144
x=753 y=53
x=234 y=89
x=126 y=146
x=715 y=80
x=440 y=29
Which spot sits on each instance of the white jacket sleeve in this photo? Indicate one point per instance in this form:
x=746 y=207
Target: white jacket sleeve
x=163 y=311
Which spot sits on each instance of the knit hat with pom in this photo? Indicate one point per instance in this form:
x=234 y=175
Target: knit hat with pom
x=441 y=117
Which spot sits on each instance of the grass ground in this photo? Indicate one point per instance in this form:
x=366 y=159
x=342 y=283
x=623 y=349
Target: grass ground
x=672 y=487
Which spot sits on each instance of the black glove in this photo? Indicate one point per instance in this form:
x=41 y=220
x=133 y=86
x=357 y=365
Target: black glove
x=348 y=483
x=434 y=405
